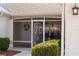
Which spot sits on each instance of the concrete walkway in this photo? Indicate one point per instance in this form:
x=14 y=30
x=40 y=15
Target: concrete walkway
x=24 y=51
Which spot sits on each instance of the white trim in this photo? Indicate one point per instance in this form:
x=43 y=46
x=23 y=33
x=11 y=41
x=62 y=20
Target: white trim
x=44 y=29
x=62 y=34
x=37 y=16
x=38 y=20
x=22 y=21
x=53 y=20
x=23 y=41
x=31 y=33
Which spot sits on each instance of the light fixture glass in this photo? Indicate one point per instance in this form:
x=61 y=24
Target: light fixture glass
x=75 y=10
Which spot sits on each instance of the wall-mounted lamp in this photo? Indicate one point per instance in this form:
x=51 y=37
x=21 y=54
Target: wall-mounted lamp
x=75 y=10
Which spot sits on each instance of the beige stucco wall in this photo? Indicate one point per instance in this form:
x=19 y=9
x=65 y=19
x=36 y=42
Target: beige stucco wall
x=71 y=31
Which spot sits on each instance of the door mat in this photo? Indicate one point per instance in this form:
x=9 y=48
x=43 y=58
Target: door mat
x=9 y=53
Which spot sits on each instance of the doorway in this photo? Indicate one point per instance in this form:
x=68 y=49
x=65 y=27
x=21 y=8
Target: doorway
x=37 y=31
x=22 y=33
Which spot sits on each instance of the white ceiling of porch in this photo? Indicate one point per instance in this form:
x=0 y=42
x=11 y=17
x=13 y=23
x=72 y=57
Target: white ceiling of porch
x=25 y=9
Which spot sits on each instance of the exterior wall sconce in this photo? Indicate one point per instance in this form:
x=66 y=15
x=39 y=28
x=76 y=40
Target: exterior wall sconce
x=75 y=10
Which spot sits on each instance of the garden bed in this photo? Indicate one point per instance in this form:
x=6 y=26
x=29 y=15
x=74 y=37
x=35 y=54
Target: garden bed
x=9 y=53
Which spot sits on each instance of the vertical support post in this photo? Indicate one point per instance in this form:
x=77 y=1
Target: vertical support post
x=31 y=33
x=63 y=31
x=44 y=29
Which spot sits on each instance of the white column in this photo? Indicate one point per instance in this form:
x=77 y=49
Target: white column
x=63 y=33
x=44 y=29
x=10 y=31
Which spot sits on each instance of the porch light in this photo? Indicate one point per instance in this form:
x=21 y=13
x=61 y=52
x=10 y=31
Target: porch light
x=75 y=10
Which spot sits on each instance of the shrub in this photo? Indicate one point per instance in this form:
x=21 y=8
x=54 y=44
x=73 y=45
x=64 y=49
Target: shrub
x=4 y=44
x=47 y=48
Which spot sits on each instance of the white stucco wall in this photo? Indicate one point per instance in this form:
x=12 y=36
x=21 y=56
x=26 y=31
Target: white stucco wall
x=71 y=31
x=4 y=26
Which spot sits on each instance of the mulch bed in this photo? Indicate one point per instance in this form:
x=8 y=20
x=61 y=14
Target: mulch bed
x=9 y=53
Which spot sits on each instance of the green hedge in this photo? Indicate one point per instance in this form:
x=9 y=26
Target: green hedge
x=47 y=48
x=4 y=44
